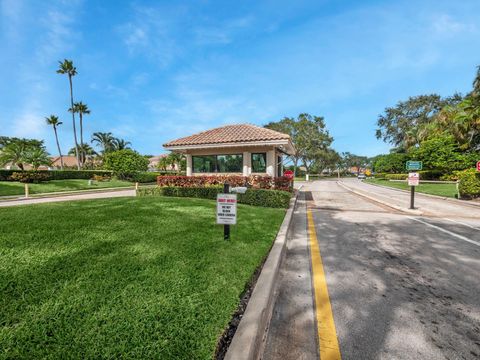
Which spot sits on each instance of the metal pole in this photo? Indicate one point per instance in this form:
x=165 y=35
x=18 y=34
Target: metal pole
x=412 y=197
x=226 y=228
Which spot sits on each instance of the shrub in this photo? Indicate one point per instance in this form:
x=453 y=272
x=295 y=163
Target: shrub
x=101 y=177
x=469 y=186
x=390 y=163
x=125 y=163
x=29 y=177
x=5 y=175
x=430 y=174
x=255 y=181
x=255 y=197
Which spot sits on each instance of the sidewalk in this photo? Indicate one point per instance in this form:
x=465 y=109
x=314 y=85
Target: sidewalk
x=72 y=197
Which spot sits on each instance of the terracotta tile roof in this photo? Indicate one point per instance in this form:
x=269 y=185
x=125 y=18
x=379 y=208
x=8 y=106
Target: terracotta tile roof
x=229 y=134
x=68 y=161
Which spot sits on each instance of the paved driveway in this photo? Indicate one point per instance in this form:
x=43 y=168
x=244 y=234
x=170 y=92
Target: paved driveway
x=399 y=286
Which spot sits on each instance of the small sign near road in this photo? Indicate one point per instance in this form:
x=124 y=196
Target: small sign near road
x=478 y=165
x=413 y=179
x=227 y=209
x=414 y=165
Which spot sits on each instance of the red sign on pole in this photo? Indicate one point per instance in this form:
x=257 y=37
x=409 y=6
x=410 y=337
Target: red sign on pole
x=288 y=174
x=478 y=165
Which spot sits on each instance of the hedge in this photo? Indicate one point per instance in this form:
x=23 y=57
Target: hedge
x=255 y=197
x=5 y=175
x=396 y=176
x=469 y=186
x=254 y=181
x=424 y=175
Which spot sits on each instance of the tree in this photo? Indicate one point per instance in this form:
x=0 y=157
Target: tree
x=400 y=125
x=390 y=163
x=125 y=163
x=81 y=109
x=105 y=140
x=55 y=122
x=309 y=135
x=66 y=68
x=16 y=151
x=329 y=159
x=37 y=156
x=354 y=161
x=120 y=144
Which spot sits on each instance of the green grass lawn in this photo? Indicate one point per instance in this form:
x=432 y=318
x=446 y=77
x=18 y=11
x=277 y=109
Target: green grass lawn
x=124 y=278
x=447 y=190
x=17 y=188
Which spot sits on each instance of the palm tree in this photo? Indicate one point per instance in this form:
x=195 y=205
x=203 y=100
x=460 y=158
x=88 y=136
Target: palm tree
x=13 y=152
x=53 y=120
x=36 y=157
x=81 y=109
x=120 y=144
x=66 y=67
x=105 y=140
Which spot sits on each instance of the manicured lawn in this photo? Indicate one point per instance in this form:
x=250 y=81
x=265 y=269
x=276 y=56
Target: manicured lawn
x=124 y=278
x=447 y=190
x=17 y=188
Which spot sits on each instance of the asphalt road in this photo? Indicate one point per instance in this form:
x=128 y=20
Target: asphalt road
x=401 y=286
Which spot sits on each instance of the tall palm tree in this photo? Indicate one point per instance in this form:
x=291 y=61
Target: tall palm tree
x=105 y=140
x=53 y=120
x=66 y=67
x=120 y=144
x=81 y=109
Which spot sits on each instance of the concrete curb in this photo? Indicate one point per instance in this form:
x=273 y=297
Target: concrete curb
x=455 y=201
x=248 y=341
x=399 y=208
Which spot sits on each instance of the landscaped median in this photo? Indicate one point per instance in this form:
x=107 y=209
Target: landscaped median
x=147 y=277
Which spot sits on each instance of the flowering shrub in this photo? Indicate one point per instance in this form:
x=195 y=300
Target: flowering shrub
x=253 y=181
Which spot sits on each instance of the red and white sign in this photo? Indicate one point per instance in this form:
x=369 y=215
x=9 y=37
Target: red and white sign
x=413 y=179
x=478 y=165
x=288 y=174
x=227 y=209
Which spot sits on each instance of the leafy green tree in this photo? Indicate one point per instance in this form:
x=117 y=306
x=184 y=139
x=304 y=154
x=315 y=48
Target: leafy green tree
x=390 y=163
x=66 y=68
x=309 y=136
x=443 y=153
x=400 y=125
x=354 y=161
x=105 y=140
x=55 y=122
x=329 y=159
x=17 y=151
x=125 y=163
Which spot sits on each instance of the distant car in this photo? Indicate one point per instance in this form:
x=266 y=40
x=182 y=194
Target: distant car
x=361 y=177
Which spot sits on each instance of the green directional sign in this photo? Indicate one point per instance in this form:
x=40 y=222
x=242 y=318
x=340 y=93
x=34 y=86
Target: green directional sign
x=414 y=165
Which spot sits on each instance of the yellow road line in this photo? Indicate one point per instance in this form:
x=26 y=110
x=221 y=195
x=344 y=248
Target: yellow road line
x=327 y=335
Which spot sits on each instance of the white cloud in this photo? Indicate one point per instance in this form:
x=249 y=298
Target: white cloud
x=445 y=24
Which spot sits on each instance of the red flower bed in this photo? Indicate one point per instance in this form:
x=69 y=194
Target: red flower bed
x=253 y=181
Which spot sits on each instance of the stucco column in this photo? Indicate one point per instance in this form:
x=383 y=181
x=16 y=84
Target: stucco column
x=247 y=163
x=271 y=163
x=189 y=165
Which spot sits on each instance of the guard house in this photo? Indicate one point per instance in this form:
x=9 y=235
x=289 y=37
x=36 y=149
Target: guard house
x=234 y=149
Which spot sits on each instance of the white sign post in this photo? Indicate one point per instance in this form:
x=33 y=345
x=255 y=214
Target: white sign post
x=227 y=209
x=413 y=180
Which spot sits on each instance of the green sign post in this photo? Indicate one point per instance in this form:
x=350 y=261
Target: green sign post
x=414 y=165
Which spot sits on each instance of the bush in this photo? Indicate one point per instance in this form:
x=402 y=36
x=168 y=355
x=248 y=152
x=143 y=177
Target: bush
x=146 y=177
x=255 y=197
x=255 y=181
x=125 y=164
x=5 y=175
x=390 y=163
x=29 y=177
x=396 y=176
x=469 y=186
x=430 y=174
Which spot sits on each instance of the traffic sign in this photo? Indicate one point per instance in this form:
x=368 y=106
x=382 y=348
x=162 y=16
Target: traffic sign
x=414 y=165
x=288 y=174
x=413 y=179
x=227 y=209
x=478 y=165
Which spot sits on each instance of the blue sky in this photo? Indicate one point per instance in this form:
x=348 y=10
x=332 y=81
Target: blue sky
x=153 y=71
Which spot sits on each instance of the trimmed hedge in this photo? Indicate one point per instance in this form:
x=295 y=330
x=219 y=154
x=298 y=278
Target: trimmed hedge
x=396 y=176
x=424 y=175
x=469 y=186
x=5 y=175
x=254 y=181
x=255 y=197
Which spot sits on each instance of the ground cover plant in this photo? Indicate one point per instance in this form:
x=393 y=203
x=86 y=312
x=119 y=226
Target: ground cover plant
x=440 y=189
x=11 y=188
x=124 y=278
